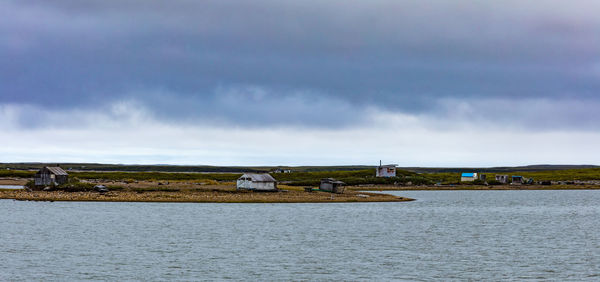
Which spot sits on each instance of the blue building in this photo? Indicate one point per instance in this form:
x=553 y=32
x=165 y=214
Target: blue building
x=468 y=176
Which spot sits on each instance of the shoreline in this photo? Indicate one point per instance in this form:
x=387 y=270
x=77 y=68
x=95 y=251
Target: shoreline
x=476 y=188
x=201 y=197
x=191 y=192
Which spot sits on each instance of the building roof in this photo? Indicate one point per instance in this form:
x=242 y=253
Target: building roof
x=56 y=170
x=259 y=177
x=389 y=165
x=468 y=174
x=331 y=180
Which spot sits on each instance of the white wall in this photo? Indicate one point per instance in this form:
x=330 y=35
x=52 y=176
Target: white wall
x=385 y=172
x=244 y=184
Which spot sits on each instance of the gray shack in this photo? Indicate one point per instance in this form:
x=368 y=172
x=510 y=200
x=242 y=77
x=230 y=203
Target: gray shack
x=257 y=182
x=332 y=185
x=50 y=175
x=517 y=179
x=502 y=178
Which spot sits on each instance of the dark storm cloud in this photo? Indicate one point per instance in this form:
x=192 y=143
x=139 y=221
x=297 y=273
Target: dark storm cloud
x=301 y=62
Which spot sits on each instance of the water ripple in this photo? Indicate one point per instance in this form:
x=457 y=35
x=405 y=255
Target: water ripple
x=444 y=236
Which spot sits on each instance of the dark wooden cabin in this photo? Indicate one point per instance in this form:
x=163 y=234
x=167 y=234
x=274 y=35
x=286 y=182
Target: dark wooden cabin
x=332 y=185
x=51 y=175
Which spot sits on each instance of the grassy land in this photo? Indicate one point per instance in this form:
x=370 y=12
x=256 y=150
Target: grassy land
x=562 y=175
x=133 y=176
x=216 y=186
x=355 y=177
x=351 y=177
x=546 y=175
x=182 y=189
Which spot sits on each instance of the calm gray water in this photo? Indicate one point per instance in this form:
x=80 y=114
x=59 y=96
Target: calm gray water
x=445 y=235
x=12 y=187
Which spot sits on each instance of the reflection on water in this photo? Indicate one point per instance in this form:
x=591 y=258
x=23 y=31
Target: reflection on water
x=444 y=235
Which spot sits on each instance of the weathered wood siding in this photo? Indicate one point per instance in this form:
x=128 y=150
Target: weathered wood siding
x=332 y=187
x=43 y=179
x=326 y=187
x=46 y=177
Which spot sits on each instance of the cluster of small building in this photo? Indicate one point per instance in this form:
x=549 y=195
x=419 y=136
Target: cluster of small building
x=50 y=176
x=282 y=170
x=55 y=175
x=502 y=178
x=266 y=182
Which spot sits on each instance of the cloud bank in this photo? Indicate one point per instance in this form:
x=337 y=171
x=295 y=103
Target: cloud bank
x=509 y=67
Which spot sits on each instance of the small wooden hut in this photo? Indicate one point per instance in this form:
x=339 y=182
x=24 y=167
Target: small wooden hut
x=332 y=185
x=517 y=179
x=50 y=175
x=502 y=178
x=257 y=182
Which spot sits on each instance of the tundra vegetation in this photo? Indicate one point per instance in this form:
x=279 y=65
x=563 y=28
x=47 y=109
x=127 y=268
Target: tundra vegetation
x=180 y=187
x=356 y=177
x=182 y=191
x=585 y=174
x=220 y=186
x=312 y=178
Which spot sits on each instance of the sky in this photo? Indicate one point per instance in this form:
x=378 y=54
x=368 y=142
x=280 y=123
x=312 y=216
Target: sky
x=415 y=83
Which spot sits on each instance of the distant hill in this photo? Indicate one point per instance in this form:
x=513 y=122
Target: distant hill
x=239 y=169
x=176 y=168
x=129 y=168
x=542 y=167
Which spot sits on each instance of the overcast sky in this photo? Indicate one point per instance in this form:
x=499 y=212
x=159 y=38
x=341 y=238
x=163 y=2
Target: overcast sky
x=418 y=83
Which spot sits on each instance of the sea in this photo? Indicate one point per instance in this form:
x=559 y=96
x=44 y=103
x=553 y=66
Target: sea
x=551 y=235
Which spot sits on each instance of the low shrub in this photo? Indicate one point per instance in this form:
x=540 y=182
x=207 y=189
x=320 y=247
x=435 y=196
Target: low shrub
x=75 y=187
x=30 y=184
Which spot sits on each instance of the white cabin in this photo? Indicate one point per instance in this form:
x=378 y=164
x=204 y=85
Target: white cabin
x=386 y=171
x=258 y=182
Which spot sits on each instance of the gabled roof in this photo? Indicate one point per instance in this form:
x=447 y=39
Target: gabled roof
x=56 y=170
x=468 y=174
x=331 y=180
x=259 y=177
